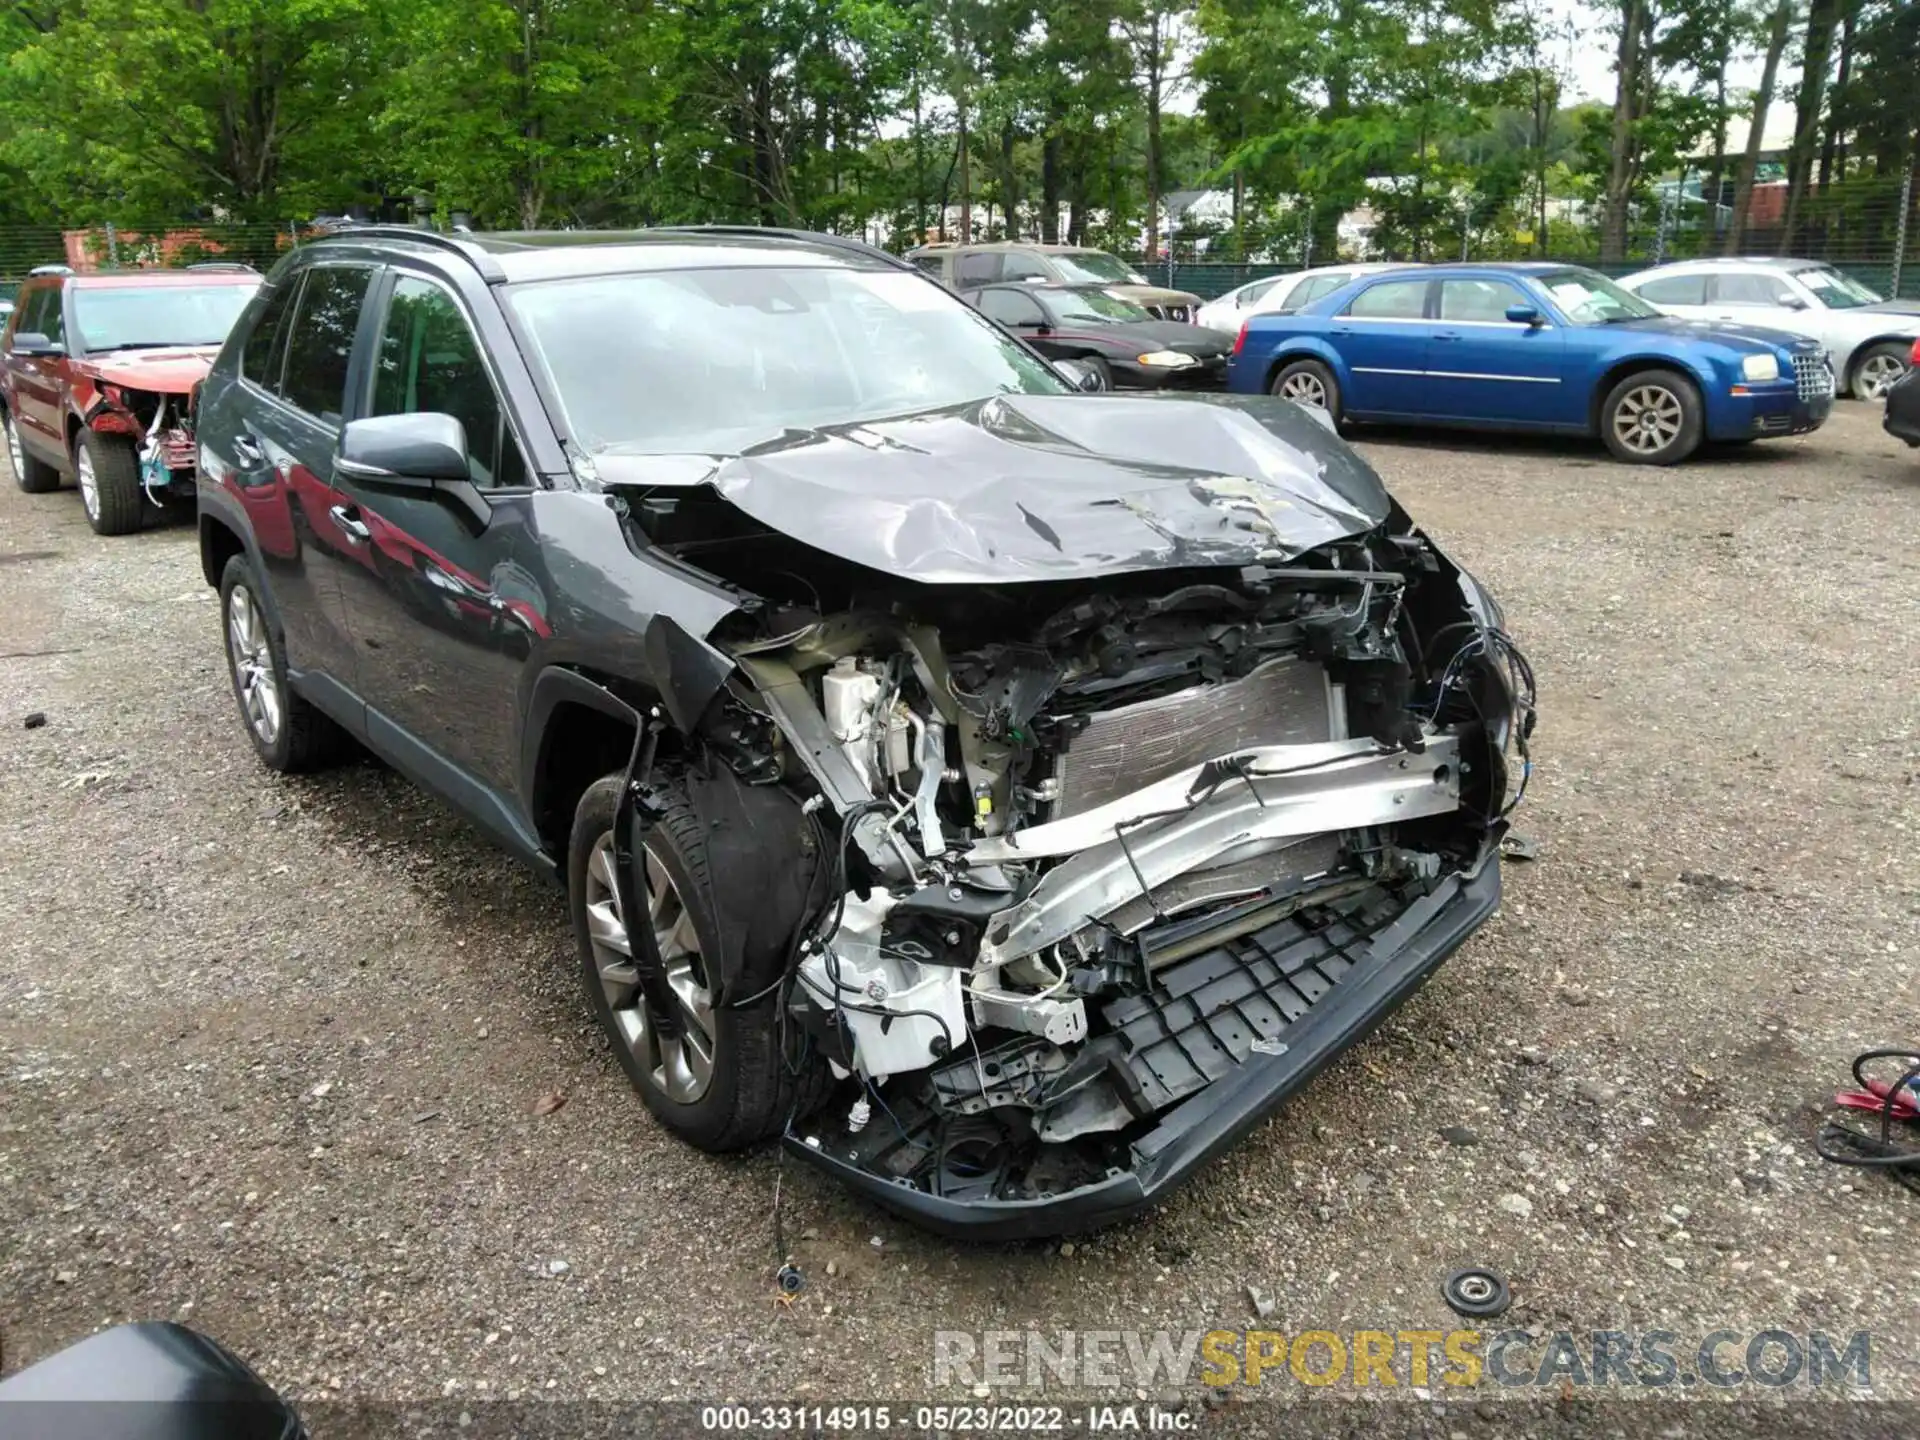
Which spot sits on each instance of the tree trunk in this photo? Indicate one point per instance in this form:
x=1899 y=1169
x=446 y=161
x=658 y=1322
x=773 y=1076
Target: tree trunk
x=1777 y=30
x=1821 y=19
x=1050 y=182
x=1613 y=233
x=1542 y=123
x=1834 y=149
x=1009 y=182
x=966 y=178
x=919 y=168
x=1239 y=226
x=1717 y=171
x=1155 y=76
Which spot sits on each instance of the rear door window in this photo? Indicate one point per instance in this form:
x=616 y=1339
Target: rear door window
x=1391 y=300
x=320 y=345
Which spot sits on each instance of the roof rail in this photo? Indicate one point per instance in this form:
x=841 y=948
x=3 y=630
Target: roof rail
x=813 y=237
x=463 y=246
x=51 y=270
x=231 y=267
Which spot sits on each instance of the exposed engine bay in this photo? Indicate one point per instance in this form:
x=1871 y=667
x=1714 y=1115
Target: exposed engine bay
x=1087 y=848
x=160 y=427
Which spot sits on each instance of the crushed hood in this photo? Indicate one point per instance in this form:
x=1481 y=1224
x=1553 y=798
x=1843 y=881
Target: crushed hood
x=172 y=371
x=1046 y=487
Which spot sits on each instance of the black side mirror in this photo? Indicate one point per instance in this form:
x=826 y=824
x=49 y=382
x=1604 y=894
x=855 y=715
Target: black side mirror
x=33 y=342
x=404 y=452
x=426 y=452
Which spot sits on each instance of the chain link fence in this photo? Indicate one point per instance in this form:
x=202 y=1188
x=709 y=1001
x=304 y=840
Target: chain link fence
x=1865 y=225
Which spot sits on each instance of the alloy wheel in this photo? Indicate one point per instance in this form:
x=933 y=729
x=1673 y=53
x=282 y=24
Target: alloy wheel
x=16 y=457
x=89 y=483
x=1878 y=374
x=1303 y=387
x=252 y=660
x=1648 y=419
x=680 y=1066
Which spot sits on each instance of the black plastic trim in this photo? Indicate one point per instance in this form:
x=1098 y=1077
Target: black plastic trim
x=1194 y=1132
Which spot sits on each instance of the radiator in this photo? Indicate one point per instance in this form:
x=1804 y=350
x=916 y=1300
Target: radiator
x=1284 y=702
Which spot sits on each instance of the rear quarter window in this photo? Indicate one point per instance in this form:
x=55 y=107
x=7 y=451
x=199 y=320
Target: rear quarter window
x=261 y=353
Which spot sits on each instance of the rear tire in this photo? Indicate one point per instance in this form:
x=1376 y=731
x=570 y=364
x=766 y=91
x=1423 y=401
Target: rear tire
x=108 y=470
x=30 y=473
x=288 y=733
x=1876 y=370
x=1309 y=383
x=1652 y=417
x=725 y=1084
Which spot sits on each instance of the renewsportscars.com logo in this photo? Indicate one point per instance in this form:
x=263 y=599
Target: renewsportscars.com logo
x=1412 y=1359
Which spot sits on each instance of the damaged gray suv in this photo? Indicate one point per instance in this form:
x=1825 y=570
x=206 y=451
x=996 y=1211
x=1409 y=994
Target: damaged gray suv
x=1006 y=794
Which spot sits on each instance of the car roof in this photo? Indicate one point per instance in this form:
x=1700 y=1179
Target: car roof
x=521 y=255
x=151 y=279
x=1045 y=248
x=1752 y=262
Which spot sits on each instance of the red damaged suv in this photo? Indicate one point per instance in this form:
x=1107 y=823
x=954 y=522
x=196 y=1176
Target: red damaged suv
x=96 y=380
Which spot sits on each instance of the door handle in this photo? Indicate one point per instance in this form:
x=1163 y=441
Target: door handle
x=350 y=523
x=1446 y=335
x=248 y=453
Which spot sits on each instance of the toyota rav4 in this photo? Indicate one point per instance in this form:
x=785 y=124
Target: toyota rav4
x=1008 y=794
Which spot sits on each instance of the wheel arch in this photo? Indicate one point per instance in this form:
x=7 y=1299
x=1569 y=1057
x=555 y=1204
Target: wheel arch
x=219 y=543
x=1302 y=347
x=1618 y=370
x=579 y=725
x=1858 y=353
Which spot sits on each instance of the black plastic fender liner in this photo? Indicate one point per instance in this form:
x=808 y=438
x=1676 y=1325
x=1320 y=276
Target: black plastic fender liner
x=1196 y=1130
x=764 y=862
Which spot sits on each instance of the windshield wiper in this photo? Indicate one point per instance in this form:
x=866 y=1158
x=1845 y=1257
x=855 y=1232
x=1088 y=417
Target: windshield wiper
x=152 y=345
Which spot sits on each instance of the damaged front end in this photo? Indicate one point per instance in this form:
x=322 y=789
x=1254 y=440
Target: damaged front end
x=1109 y=869
x=159 y=425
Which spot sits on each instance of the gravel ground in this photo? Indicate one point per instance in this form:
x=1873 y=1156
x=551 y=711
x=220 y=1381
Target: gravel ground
x=271 y=1051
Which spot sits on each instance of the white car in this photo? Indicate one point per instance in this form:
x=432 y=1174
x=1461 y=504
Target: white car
x=1870 y=339
x=1281 y=293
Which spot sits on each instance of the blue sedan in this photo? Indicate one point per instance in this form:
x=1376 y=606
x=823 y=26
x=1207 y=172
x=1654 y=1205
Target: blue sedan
x=1534 y=347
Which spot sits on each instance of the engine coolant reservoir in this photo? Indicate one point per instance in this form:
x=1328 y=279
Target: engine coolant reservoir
x=847 y=697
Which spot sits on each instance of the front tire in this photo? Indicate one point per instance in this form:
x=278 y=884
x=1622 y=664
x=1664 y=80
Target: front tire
x=1652 y=417
x=108 y=470
x=1309 y=383
x=288 y=734
x=1876 y=370
x=30 y=473
x=724 y=1083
